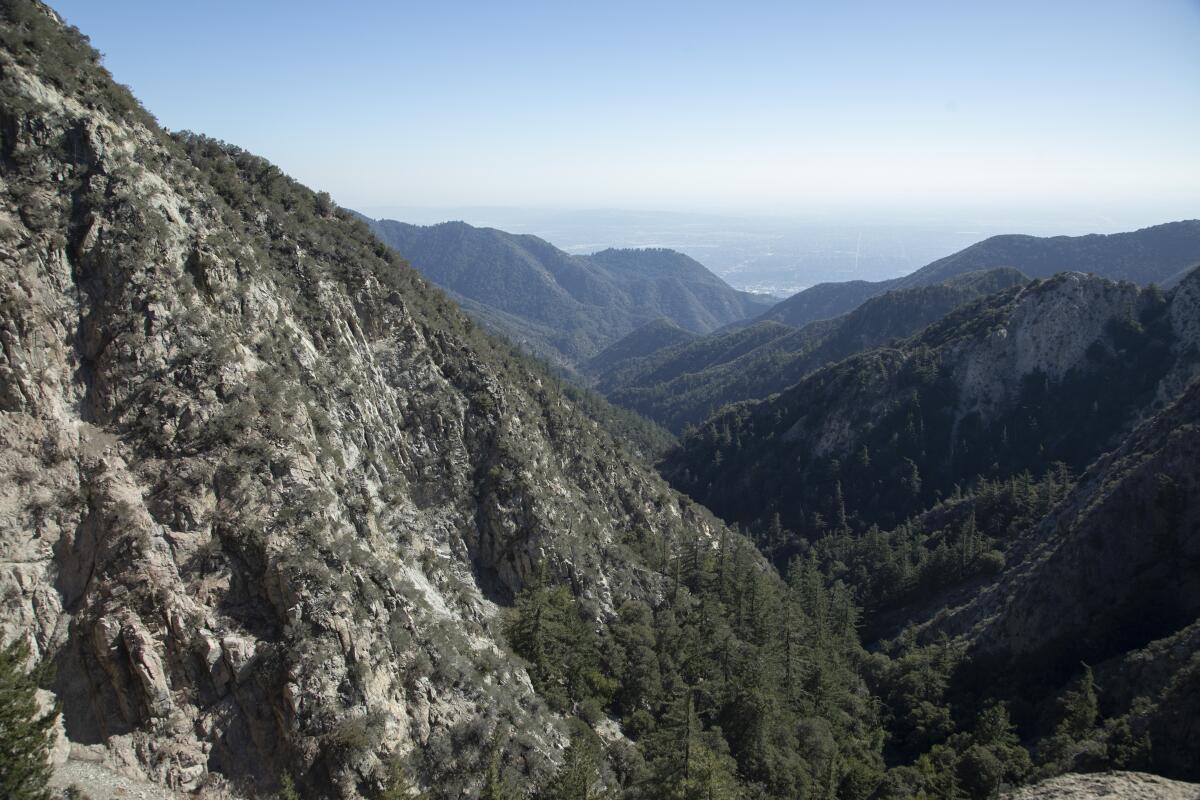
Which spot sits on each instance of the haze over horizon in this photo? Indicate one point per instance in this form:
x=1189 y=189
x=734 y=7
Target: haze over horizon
x=943 y=111
x=769 y=433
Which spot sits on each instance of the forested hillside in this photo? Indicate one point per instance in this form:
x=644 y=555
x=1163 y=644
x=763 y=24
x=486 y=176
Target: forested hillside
x=278 y=519
x=1011 y=497
x=681 y=384
x=1049 y=372
x=562 y=307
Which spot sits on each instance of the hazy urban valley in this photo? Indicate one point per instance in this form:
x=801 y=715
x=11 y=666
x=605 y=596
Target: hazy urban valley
x=383 y=496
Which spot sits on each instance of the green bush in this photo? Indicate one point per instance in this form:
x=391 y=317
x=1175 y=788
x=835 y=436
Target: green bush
x=26 y=734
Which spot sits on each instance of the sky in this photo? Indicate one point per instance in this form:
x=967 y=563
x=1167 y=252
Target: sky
x=887 y=109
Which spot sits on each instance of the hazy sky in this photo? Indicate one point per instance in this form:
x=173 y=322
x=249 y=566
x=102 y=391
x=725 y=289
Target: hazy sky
x=888 y=108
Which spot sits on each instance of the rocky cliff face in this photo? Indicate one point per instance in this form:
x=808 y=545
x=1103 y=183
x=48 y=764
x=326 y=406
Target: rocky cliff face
x=1051 y=330
x=1058 y=370
x=263 y=487
x=681 y=383
x=1048 y=331
x=1112 y=567
x=1126 y=785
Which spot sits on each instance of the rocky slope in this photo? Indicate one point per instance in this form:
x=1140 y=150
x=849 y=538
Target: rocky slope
x=1054 y=371
x=566 y=308
x=1122 y=785
x=930 y=469
x=1110 y=577
x=680 y=384
x=1161 y=254
x=263 y=487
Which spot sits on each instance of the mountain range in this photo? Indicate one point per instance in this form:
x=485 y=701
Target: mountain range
x=1161 y=254
x=678 y=383
x=563 y=307
x=681 y=382
x=1049 y=371
x=288 y=521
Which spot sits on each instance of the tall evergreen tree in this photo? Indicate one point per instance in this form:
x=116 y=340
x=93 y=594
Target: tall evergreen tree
x=579 y=776
x=1080 y=707
x=25 y=732
x=495 y=787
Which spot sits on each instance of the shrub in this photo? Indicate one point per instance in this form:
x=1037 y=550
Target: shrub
x=992 y=562
x=979 y=772
x=25 y=733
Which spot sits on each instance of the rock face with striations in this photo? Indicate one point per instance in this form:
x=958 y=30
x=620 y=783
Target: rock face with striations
x=1056 y=370
x=262 y=486
x=1124 y=785
x=682 y=382
x=1048 y=331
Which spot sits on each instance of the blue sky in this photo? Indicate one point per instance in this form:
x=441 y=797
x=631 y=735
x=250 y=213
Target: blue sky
x=884 y=108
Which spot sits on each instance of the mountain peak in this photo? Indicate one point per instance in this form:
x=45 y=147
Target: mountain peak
x=566 y=307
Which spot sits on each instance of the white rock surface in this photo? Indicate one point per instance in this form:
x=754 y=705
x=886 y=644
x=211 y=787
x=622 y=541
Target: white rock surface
x=1107 y=786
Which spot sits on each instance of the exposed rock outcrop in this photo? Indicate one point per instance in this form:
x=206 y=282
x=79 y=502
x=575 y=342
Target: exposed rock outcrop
x=1122 y=785
x=263 y=487
x=1056 y=370
x=1113 y=566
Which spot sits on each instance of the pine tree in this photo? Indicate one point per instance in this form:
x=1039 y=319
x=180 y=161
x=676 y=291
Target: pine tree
x=775 y=534
x=996 y=732
x=287 y=789
x=912 y=477
x=641 y=681
x=839 y=509
x=579 y=776
x=546 y=629
x=968 y=542
x=25 y=733
x=495 y=787
x=1080 y=708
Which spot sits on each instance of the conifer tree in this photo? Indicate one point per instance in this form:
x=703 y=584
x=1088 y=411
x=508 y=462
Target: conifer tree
x=397 y=785
x=1079 y=707
x=579 y=776
x=839 y=509
x=287 y=789
x=25 y=733
x=495 y=787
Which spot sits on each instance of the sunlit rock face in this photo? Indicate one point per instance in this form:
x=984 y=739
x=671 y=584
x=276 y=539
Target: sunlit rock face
x=263 y=488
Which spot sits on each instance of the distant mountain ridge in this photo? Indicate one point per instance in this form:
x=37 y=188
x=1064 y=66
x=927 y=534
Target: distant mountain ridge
x=651 y=338
x=563 y=307
x=1161 y=254
x=680 y=382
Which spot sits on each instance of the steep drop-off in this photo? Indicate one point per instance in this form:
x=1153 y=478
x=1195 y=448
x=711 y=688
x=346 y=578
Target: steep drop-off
x=263 y=487
x=683 y=383
x=1053 y=371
